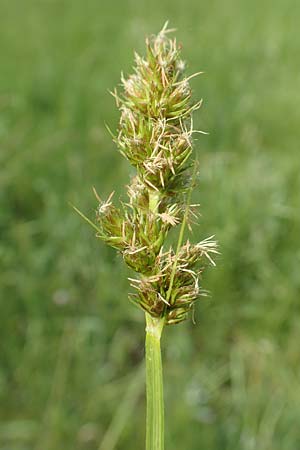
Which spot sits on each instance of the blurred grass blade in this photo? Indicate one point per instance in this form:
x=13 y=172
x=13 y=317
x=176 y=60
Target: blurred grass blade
x=124 y=411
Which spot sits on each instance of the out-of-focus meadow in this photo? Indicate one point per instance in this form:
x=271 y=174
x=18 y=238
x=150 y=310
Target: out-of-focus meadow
x=71 y=374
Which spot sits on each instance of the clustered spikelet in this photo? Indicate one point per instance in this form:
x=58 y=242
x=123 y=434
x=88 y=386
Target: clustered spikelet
x=155 y=136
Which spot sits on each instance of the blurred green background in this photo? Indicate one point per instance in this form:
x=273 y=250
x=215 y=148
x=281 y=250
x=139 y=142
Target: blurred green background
x=71 y=374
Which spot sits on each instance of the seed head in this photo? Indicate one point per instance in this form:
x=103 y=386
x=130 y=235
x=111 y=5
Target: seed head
x=155 y=135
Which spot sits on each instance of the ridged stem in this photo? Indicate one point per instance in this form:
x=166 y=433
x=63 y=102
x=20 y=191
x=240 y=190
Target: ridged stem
x=154 y=385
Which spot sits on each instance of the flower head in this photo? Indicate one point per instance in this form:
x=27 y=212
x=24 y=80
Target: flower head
x=155 y=136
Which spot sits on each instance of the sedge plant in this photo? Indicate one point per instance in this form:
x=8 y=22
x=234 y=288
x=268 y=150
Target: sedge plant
x=155 y=135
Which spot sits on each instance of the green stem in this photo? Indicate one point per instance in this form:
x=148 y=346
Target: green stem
x=153 y=200
x=154 y=385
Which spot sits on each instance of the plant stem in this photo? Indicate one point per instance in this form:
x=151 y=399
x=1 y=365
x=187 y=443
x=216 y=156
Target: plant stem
x=154 y=385
x=153 y=200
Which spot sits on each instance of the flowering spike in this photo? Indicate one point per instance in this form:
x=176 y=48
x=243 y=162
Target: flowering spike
x=155 y=135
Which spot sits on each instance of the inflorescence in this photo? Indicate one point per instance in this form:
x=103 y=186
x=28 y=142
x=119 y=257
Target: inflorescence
x=155 y=136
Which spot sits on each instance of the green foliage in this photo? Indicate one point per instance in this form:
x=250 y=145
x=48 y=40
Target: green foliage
x=70 y=346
